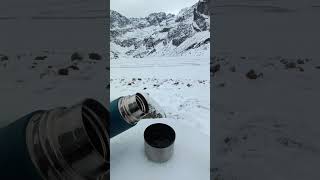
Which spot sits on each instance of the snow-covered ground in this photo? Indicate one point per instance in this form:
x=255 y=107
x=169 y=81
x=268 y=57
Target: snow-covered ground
x=190 y=159
x=28 y=84
x=266 y=128
x=181 y=86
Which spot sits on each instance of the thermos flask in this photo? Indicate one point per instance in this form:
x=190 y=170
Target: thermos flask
x=57 y=144
x=67 y=143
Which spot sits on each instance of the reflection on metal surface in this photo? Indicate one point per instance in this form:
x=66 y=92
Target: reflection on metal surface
x=133 y=108
x=159 y=142
x=70 y=143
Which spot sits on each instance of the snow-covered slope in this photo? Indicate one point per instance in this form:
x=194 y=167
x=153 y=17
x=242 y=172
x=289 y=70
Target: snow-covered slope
x=42 y=80
x=264 y=121
x=161 y=34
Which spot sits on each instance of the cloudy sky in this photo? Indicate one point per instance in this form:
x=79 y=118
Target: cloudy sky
x=142 y=8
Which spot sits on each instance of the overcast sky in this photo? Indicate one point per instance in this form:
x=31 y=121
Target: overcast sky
x=142 y=8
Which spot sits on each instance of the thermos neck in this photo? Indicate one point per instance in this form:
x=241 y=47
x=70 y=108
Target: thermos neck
x=126 y=111
x=70 y=143
x=133 y=107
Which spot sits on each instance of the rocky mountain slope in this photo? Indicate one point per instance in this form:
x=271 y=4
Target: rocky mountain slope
x=161 y=34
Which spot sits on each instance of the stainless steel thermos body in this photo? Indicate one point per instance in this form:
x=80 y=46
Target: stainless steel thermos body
x=58 y=144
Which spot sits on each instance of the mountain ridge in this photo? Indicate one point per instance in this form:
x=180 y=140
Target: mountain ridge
x=161 y=34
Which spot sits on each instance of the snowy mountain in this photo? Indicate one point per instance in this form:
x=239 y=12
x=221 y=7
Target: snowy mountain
x=161 y=34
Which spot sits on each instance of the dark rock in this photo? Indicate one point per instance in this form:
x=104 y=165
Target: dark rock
x=222 y=85
x=215 y=68
x=144 y=88
x=227 y=140
x=203 y=7
x=63 y=72
x=139 y=79
x=130 y=52
x=115 y=55
x=153 y=51
x=165 y=30
x=95 y=56
x=284 y=61
x=76 y=56
x=156 y=18
x=300 y=61
x=206 y=41
x=189 y=85
x=245 y=137
x=180 y=34
x=129 y=42
x=40 y=58
x=148 y=42
x=49 y=67
x=117 y=19
x=290 y=65
x=252 y=74
x=317 y=67
x=301 y=69
x=74 y=67
x=177 y=42
x=191 y=46
x=4 y=58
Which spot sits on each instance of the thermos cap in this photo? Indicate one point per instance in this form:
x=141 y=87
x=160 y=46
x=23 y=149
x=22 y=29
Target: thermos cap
x=159 y=142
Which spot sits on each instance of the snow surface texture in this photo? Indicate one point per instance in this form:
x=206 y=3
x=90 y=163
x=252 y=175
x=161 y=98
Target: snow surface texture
x=48 y=79
x=264 y=124
x=180 y=85
x=161 y=34
x=189 y=161
x=265 y=128
x=56 y=30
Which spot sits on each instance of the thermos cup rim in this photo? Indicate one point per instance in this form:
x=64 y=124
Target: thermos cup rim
x=159 y=142
x=159 y=135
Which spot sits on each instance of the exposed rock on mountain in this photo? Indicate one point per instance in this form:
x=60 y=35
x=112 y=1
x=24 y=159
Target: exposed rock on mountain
x=161 y=34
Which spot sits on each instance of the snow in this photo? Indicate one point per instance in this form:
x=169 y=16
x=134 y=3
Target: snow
x=180 y=85
x=266 y=128
x=166 y=80
x=264 y=125
x=152 y=41
x=190 y=161
x=25 y=89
